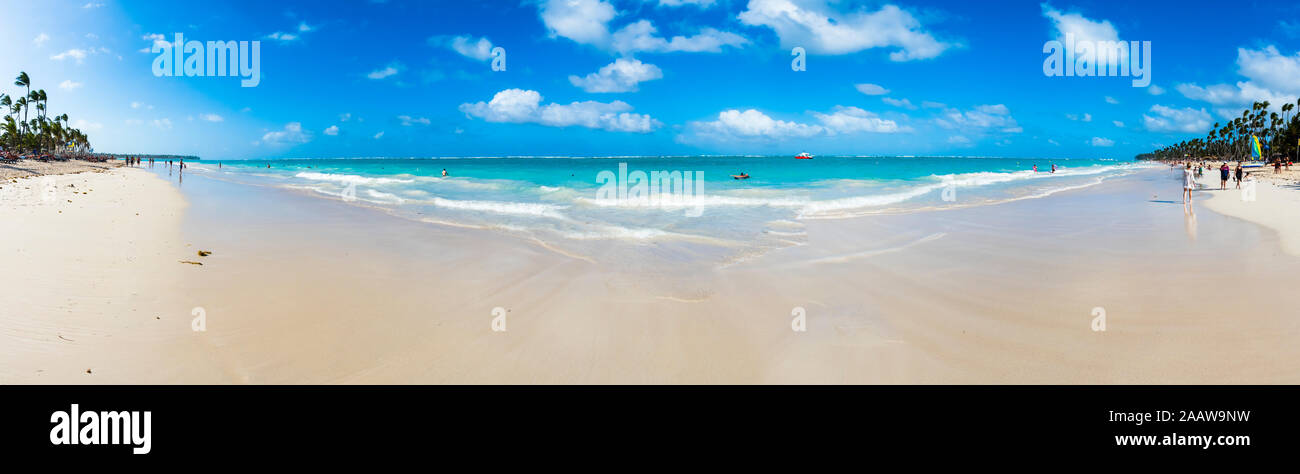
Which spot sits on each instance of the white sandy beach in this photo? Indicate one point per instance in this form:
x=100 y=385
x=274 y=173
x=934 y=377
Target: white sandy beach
x=307 y=290
x=88 y=259
x=1276 y=204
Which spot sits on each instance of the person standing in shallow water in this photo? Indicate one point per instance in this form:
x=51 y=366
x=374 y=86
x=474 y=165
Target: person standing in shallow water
x=1189 y=184
x=1223 y=176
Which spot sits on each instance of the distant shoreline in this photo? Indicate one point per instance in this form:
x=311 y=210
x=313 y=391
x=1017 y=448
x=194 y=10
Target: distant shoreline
x=155 y=157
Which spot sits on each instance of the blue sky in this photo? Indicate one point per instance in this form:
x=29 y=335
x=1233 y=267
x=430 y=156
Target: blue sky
x=630 y=77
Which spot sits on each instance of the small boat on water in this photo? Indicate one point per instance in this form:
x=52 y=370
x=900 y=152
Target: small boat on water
x=803 y=156
x=740 y=176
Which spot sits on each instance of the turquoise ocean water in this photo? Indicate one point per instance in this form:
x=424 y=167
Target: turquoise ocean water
x=577 y=199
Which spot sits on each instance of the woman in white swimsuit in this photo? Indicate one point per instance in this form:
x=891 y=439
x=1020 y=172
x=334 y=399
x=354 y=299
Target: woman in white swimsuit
x=1189 y=183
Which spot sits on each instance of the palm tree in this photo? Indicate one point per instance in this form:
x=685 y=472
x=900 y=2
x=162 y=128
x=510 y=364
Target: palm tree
x=1234 y=137
x=21 y=105
x=41 y=133
x=45 y=101
x=9 y=133
x=23 y=80
x=7 y=103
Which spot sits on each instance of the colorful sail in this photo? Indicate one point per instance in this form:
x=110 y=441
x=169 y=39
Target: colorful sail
x=1255 y=151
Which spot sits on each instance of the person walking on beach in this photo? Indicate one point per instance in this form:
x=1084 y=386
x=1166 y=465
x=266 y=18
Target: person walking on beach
x=1238 y=175
x=1223 y=176
x=1189 y=183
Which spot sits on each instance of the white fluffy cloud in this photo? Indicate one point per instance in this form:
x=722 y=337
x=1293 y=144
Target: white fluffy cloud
x=385 y=72
x=301 y=29
x=1083 y=29
x=871 y=89
x=622 y=75
x=904 y=103
x=813 y=25
x=1102 y=142
x=985 y=117
x=1185 y=120
x=524 y=106
x=75 y=54
x=588 y=22
x=583 y=21
x=155 y=40
x=211 y=117
x=408 y=120
x=1079 y=26
x=849 y=120
x=1219 y=94
x=282 y=36
x=1270 y=76
x=332 y=130
x=678 y=3
x=290 y=135
x=751 y=124
x=1269 y=69
x=466 y=46
x=642 y=36
x=69 y=84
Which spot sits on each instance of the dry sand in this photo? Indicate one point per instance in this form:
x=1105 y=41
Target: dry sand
x=26 y=168
x=87 y=259
x=1275 y=204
